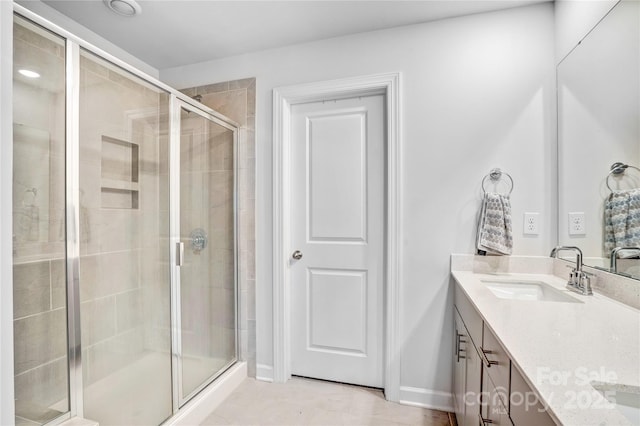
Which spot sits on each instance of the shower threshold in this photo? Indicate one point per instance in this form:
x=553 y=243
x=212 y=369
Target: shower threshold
x=141 y=377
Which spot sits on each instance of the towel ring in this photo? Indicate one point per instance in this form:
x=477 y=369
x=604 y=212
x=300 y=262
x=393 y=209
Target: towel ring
x=495 y=175
x=618 y=169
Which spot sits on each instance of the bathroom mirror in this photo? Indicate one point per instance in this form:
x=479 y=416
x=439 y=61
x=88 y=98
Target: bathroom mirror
x=599 y=125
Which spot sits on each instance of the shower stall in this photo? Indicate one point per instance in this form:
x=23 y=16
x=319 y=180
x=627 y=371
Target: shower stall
x=124 y=237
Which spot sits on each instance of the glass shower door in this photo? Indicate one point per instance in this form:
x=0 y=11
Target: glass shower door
x=125 y=294
x=205 y=224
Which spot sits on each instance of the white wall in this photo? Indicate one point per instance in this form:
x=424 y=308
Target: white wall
x=574 y=19
x=478 y=92
x=6 y=226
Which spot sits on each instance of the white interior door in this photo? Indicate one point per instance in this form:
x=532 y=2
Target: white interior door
x=337 y=225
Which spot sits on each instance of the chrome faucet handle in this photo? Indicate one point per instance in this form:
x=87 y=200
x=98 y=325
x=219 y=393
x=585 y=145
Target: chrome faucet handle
x=579 y=280
x=574 y=278
x=573 y=275
x=584 y=283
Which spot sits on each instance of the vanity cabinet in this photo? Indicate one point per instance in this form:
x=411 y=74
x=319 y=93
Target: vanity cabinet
x=485 y=378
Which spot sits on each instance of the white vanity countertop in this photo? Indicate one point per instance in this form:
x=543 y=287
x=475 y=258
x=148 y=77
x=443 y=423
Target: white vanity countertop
x=561 y=347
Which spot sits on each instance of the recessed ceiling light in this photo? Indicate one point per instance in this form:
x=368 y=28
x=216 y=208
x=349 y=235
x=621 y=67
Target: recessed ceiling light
x=28 y=73
x=124 y=7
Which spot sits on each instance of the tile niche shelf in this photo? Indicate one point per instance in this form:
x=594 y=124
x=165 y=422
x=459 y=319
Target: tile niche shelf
x=119 y=181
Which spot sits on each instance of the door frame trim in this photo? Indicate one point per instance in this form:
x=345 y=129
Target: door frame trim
x=388 y=84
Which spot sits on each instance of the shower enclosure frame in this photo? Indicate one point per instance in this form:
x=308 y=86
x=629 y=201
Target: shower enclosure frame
x=73 y=46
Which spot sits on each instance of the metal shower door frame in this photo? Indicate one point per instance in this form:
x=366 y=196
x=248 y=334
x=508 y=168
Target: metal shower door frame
x=175 y=107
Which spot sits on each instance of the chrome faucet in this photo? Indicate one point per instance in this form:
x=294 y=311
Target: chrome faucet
x=613 y=263
x=579 y=281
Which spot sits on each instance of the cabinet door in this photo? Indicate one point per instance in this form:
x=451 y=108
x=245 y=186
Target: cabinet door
x=474 y=386
x=493 y=411
x=530 y=411
x=461 y=342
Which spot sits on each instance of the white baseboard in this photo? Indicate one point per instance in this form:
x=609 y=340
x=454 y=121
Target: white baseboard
x=203 y=404
x=426 y=398
x=264 y=373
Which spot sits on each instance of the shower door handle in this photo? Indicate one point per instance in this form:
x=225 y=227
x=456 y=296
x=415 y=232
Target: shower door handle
x=179 y=254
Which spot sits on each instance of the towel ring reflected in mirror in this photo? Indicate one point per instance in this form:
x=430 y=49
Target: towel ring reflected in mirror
x=495 y=175
x=617 y=170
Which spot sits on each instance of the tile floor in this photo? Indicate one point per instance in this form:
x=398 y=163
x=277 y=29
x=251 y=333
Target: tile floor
x=313 y=402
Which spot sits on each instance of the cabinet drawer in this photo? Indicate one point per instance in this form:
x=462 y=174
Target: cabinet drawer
x=470 y=317
x=525 y=408
x=499 y=364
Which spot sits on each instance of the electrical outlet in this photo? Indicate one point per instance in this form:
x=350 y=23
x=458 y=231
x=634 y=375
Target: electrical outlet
x=531 y=223
x=576 y=224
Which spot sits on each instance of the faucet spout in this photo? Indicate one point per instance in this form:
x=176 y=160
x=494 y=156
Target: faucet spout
x=556 y=250
x=613 y=262
x=579 y=280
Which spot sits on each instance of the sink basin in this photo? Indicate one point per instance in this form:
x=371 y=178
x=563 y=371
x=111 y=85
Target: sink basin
x=528 y=290
x=625 y=398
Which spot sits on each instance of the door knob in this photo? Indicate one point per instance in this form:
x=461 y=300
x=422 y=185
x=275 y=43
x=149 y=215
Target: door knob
x=297 y=255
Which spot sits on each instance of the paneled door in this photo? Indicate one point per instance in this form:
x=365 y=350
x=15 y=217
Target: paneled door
x=337 y=240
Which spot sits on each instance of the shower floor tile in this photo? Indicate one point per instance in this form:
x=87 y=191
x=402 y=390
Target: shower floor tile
x=303 y=401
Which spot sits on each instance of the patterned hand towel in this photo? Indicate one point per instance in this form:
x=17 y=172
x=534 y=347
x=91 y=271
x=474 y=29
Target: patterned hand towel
x=622 y=220
x=494 y=225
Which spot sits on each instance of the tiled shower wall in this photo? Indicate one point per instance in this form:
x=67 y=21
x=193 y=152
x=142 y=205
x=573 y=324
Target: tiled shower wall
x=40 y=336
x=237 y=100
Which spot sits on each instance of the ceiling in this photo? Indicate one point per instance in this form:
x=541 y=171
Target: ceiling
x=170 y=33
